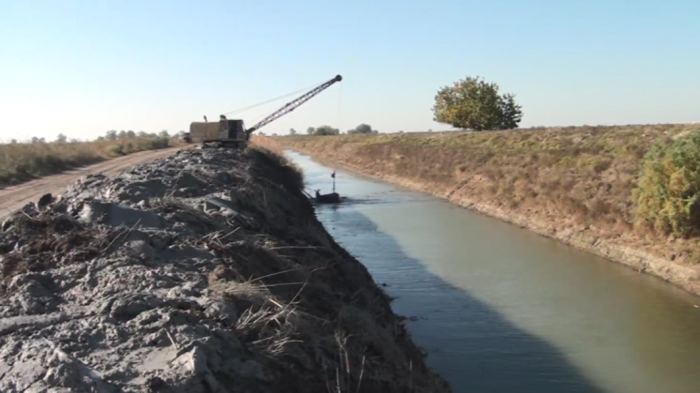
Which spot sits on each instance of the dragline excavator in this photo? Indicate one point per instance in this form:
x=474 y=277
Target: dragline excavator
x=232 y=133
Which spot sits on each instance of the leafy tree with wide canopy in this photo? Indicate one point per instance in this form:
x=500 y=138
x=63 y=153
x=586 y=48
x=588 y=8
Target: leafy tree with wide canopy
x=475 y=104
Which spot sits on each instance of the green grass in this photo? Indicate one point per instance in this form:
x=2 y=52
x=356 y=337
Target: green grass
x=667 y=197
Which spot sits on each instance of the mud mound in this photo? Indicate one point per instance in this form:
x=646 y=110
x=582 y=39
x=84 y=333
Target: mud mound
x=203 y=272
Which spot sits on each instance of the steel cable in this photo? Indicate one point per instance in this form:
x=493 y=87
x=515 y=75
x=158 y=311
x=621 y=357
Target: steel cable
x=272 y=100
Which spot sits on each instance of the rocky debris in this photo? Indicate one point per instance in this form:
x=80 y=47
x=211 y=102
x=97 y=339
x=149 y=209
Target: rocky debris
x=44 y=201
x=115 y=215
x=203 y=272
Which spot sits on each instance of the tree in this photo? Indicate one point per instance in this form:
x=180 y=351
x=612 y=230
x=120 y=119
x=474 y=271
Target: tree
x=292 y=132
x=121 y=134
x=362 y=129
x=61 y=138
x=180 y=134
x=326 y=130
x=111 y=135
x=101 y=138
x=141 y=134
x=13 y=141
x=511 y=113
x=311 y=130
x=130 y=134
x=473 y=103
x=164 y=134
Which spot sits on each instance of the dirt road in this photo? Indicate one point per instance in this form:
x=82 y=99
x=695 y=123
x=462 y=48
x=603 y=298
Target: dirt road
x=15 y=197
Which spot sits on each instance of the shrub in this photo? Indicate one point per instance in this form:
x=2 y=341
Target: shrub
x=325 y=130
x=116 y=150
x=667 y=196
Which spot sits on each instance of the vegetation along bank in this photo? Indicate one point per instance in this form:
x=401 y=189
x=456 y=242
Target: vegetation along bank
x=23 y=161
x=628 y=193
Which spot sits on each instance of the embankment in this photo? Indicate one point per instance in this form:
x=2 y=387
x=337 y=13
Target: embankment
x=206 y=271
x=573 y=184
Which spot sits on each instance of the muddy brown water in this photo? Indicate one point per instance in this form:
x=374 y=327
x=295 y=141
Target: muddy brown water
x=500 y=309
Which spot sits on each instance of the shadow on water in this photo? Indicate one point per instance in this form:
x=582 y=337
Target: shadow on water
x=469 y=343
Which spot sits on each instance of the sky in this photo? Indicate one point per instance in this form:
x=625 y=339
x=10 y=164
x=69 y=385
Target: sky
x=84 y=67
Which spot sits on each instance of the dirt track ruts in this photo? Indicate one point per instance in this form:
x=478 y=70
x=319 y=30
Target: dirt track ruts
x=15 y=197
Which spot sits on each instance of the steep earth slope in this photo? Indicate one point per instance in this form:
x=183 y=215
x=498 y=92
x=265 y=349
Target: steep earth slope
x=203 y=272
x=574 y=184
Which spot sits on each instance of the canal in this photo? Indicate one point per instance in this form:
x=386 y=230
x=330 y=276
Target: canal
x=500 y=309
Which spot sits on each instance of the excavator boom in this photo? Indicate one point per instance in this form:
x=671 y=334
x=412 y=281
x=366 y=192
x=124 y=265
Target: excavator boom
x=232 y=133
x=292 y=105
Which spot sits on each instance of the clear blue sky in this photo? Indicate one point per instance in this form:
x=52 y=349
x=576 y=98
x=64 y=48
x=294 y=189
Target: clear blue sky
x=82 y=68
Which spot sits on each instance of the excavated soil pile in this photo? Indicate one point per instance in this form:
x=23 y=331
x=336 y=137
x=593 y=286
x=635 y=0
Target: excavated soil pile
x=203 y=272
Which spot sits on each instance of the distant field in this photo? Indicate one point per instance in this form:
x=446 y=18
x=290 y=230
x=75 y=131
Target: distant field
x=21 y=162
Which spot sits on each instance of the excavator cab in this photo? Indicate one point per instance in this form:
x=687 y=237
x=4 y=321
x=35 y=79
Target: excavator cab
x=231 y=133
x=232 y=129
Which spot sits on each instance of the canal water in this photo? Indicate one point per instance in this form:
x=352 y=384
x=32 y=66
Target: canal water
x=500 y=309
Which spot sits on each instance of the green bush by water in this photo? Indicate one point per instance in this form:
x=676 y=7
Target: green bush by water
x=667 y=196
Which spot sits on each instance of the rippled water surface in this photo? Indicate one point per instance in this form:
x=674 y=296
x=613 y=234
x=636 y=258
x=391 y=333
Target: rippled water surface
x=500 y=309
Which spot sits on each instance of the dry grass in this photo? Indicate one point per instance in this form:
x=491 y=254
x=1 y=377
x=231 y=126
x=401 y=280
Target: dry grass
x=300 y=306
x=588 y=172
x=41 y=249
x=24 y=161
x=582 y=176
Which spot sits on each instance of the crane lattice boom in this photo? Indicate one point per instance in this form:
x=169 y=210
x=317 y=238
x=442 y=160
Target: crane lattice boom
x=290 y=106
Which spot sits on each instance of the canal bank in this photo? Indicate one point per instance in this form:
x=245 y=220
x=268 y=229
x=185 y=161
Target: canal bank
x=206 y=271
x=672 y=259
x=501 y=309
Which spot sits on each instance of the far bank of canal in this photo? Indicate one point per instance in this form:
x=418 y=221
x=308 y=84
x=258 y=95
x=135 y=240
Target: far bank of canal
x=501 y=309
